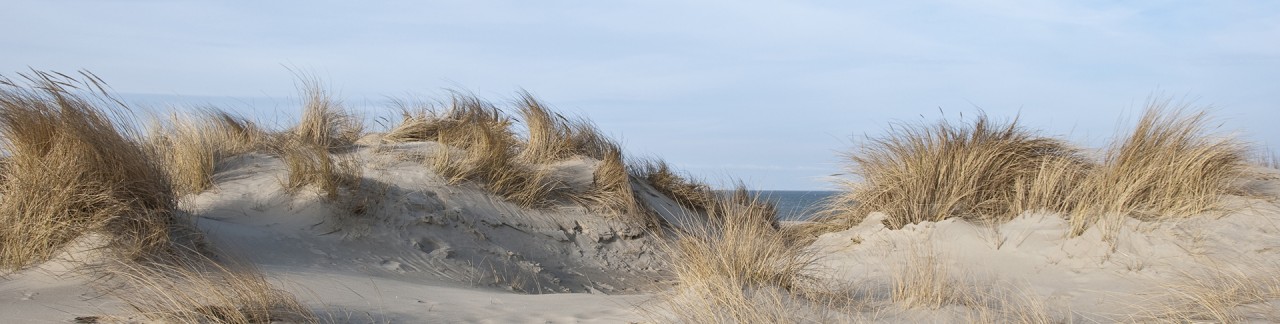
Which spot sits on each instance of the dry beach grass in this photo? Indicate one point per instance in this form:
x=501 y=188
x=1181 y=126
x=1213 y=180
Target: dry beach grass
x=72 y=170
x=1171 y=166
x=192 y=145
x=738 y=268
x=984 y=172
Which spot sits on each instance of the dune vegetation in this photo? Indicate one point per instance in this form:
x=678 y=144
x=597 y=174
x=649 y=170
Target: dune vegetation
x=1170 y=166
x=191 y=145
x=72 y=169
x=739 y=268
x=932 y=172
x=684 y=189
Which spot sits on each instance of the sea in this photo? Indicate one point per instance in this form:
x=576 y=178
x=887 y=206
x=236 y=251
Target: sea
x=795 y=205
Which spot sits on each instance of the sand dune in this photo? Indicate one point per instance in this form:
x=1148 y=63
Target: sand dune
x=454 y=217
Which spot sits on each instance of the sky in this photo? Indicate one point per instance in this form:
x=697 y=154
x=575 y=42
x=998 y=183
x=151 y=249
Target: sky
x=768 y=92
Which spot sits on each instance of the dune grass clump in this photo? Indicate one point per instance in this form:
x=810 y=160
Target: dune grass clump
x=480 y=147
x=425 y=123
x=552 y=137
x=75 y=168
x=1170 y=166
x=548 y=133
x=587 y=139
x=740 y=269
x=611 y=187
x=932 y=172
x=310 y=164
x=1054 y=187
x=415 y=126
x=743 y=245
x=324 y=122
x=191 y=145
x=686 y=191
x=308 y=149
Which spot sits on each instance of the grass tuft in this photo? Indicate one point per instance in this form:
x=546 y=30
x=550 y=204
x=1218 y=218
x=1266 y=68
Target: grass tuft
x=324 y=121
x=740 y=269
x=932 y=172
x=552 y=137
x=74 y=167
x=191 y=146
x=611 y=186
x=754 y=204
x=308 y=149
x=549 y=134
x=1170 y=166
x=486 y=153
x=686 y=191
x=480 y=147
x=922 y=281
x=310 y=164
x=415 y=126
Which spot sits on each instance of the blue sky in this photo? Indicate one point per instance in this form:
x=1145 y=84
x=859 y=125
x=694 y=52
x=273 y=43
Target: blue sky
x=766 y=91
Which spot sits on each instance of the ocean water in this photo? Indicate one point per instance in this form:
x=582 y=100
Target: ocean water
x=796 y=205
